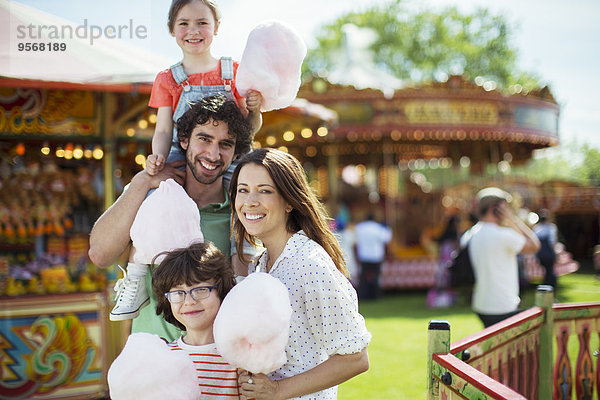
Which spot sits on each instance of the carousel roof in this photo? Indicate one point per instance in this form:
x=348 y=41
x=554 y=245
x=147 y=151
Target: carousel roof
x=437 y=120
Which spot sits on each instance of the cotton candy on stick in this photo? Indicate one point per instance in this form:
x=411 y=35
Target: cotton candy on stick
x=252 y=326
x=168 y=219
x=271 y=64
x=148 y=369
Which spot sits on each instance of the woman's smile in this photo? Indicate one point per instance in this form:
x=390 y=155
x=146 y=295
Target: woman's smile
x=254 y=217
x=259 y=205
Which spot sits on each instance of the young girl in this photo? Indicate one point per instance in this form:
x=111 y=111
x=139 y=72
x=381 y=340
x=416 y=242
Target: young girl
x=193 y=24
x=328 y=337
x=190 y=285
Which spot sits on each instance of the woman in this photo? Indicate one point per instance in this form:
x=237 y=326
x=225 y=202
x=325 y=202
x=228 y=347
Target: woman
x=328 y=337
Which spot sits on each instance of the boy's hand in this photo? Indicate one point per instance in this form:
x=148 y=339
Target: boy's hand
x=253 y=101
x=155 y=163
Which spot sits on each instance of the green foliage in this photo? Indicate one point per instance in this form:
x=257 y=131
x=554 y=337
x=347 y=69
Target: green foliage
x=590 y=166
x=425 y=45
x=573 y=161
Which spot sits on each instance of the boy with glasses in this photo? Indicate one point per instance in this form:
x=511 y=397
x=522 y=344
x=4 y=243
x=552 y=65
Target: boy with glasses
x=189 y=285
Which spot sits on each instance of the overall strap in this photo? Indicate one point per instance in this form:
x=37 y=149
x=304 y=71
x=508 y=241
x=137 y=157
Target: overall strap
x=226 y=68
x=178 y=73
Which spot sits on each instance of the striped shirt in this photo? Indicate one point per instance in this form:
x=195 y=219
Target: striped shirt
x=216 y=377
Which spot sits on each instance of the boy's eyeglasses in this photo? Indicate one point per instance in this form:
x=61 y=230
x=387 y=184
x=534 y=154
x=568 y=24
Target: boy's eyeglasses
x=199 y=293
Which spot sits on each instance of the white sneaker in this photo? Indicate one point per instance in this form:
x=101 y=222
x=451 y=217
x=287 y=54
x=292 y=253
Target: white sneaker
x=131 y=295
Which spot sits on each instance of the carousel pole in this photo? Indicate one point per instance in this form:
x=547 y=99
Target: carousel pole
x=117 y=332
x=108 y=136
x=390 y=210
x=332 y=179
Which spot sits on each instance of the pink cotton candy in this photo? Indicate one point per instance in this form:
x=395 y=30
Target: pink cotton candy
x=147 y=369
x=271 y=64
x=168 y=219
x=252 y=326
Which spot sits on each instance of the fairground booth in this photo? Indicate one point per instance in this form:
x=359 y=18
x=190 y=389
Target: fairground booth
x=64 y=153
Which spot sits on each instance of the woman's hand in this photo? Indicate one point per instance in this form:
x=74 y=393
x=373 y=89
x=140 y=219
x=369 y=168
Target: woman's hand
x=257 y=386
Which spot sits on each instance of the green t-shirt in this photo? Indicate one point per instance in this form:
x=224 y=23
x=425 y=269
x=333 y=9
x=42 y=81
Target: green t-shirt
x=215 y=223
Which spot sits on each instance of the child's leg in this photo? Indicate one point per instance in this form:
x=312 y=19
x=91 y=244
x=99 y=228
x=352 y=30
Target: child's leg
x=175 y=154
x=132 y=294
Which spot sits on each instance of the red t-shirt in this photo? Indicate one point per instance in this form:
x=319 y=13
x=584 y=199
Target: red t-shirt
x=166 y=91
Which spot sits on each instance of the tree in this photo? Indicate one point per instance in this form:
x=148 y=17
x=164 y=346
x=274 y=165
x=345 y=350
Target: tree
x=429 y=45
x=590 y=165
x=572 y=161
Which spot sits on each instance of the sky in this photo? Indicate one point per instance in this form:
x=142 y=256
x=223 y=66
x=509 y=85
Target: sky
x=558 y=40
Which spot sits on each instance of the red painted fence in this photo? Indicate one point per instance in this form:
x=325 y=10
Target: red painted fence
x=514 y=358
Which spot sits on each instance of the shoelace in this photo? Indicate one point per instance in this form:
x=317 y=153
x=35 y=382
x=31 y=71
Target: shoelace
x=126 y=288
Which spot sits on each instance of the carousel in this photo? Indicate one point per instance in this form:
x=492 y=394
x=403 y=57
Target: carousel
x=418 y=154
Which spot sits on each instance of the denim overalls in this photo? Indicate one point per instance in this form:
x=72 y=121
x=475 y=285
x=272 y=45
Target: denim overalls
x=191 y=94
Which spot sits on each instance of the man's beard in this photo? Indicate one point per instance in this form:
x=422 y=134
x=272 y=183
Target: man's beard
x=206 y=180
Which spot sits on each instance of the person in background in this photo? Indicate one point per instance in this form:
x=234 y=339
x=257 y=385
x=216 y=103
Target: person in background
x=347 y=238
x=442 y=295
x=448 y=246
x=371 y=240
x=547 y=233
x=494 y=243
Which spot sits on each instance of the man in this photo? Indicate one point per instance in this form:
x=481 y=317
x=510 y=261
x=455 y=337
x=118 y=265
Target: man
x=371 y=238
x=211 y=134
x=494 y=243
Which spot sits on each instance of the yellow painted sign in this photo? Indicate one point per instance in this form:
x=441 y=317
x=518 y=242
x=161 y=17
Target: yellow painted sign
x=51 y=112
x=451 y=112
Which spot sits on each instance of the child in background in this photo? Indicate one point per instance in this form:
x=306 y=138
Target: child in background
x=193 y=24
x=190 y=285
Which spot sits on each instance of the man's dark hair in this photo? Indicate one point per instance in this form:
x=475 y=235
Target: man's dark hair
x=200 y=262
x=218 y=108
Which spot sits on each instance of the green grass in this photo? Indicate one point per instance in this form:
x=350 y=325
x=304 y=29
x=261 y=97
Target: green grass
x=398 y=350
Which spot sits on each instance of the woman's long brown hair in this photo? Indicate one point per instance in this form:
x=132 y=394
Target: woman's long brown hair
x=307 y=214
